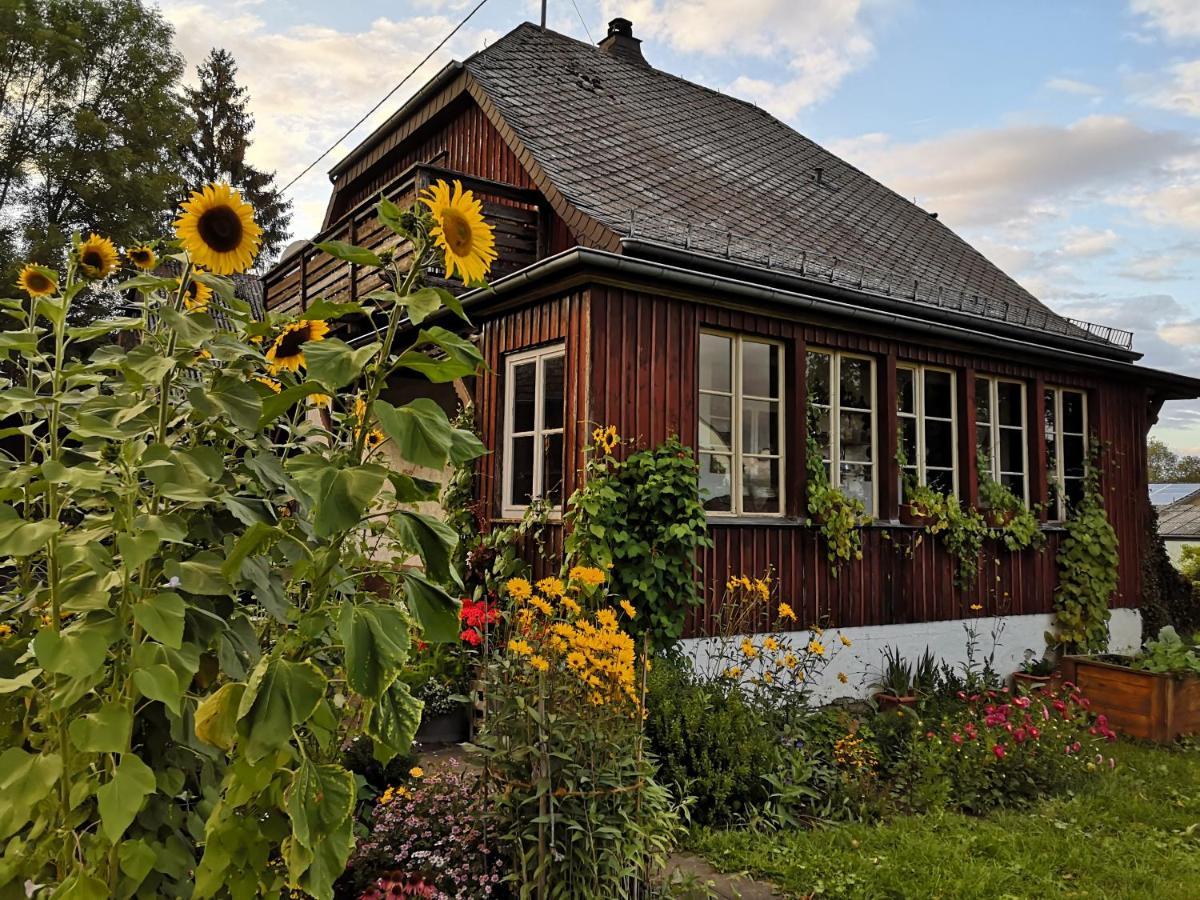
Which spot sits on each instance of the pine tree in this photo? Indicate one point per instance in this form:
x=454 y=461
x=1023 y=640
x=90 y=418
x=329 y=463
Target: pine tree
x=216 y=150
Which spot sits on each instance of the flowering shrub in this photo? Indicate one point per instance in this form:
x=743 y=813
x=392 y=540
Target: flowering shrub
x=996 y=749
x=577 y=807
x=428 y=838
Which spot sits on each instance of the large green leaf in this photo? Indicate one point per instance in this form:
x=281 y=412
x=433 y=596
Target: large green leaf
x=136 y=548
x=465 y=446
x=335 y=363
x=328 y=861
x=280 y=695
x=247 y=544
x=236 y=398
x=420 y=430
x=422 y=304
x=161 y=617
x=159 y=682
x=216 y=716
x=199 y=575
x=318 y=801
x=360 y=256
x=76 y=653
x=27 y=538
x=25 y=778
x=106 y=730
x=375 y=637
x=327 y=309
x=460 y=357
x=435 y=610
x=120 y=799
x=431 y=539
x=344 y=498
x=393 y=721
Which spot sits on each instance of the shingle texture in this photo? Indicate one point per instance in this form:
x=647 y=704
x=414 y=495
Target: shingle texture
x=690 y=165
x=1181 y=518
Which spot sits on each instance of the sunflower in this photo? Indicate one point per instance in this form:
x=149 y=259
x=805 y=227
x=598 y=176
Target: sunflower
x=97 y=257
x=218 y=231
x=143 y=257
x=196 y=296
x=268 y=382
x=37 y=281
x=286 y=352
x=461 y=232
x=375 y=437
x=319 y=399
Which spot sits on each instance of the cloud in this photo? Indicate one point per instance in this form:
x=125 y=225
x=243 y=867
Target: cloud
x=1020 y=173
x=817 y=48
x=1155 y=267
x=1071 y=86
x=1179 y=91
x=308 y=83
x=1176 y=19
x=1084 y=242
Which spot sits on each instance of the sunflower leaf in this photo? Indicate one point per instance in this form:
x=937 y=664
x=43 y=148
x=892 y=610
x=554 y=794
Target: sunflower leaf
x=334 y=363
x=222 y=286
x=422 y=304
x=452 y=303
x=360 y=256
x=326 y=309
x=461 y=358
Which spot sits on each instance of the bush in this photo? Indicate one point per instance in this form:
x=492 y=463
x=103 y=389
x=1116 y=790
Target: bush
x=713 y=744
x=426 y=834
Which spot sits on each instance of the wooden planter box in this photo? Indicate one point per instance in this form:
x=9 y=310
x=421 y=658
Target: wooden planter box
x=1140 y=704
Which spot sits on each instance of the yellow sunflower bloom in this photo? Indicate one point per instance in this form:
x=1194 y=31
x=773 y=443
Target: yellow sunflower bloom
x=519 y=588
x=786 y=612
x=628 y=607
x=287 y=351
x=196 y=296
x=269 y=382
x=37 y=281
x=218 y=230
x=416 y=772
x=97 y=257
x=142 y=257
x=539 y=662
x=375 y=437
x=319 y=400
x=460 y=231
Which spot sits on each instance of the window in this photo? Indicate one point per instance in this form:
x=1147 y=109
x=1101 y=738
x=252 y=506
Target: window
x=1066 y=448
x=533 y=424
x=841 y=390
x=927 y=414
x=1000 y=434
x=741 y=424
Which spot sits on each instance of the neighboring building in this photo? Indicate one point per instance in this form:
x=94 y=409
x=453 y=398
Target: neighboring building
x=675 y=260
x=1166 y=493
x=1179 y=522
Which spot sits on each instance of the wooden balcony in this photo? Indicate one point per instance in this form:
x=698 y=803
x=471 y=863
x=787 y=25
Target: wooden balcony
x=516 y=214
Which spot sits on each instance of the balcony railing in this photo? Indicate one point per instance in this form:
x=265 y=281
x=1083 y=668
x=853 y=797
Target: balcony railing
x=310 y=273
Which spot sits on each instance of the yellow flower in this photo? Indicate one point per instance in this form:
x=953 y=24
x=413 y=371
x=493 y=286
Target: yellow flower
x=519 y=647
x=748 y=649
x=733 y=671
x=846 y=642
x=97 y=257
x=374 y=438
x=976 y=607
x=386 y=797
x=589 y=575
x=551 y=587
x=816 y=647
x=218 y=231
x=518 y=588
x=790 y=661
x=770 y=644
x=5 y=631
x=196 y=296
x=607 y=619
x=319 y=399
x=539 y=663
x=842 y=677
x=460 y=231
x=541 y=606
x=416 y=772
x=786 y=612
x=287 y=352
x=628 y=608
x=606 y=439
x=571 y=606
x=269 y=382
x=143 y=257
x=37 y=281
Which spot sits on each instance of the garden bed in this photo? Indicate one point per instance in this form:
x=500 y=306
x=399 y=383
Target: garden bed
x=1147 y=705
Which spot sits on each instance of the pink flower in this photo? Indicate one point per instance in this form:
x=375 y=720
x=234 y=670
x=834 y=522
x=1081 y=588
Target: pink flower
x=1019 y=735
x=999 y=750
x=1075 y=747
x=1034 y=733
x=1022 y=702
x=956 y=737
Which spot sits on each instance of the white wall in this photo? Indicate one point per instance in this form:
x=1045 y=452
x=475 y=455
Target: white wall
x=861 y=662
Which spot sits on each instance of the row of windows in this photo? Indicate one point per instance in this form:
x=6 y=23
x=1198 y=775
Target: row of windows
x=741 y=427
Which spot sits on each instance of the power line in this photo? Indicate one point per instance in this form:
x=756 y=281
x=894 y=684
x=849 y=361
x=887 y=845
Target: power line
x=387 y=96
x=587 y=30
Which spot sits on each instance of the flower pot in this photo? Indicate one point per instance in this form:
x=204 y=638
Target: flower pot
x=887 y=701
x=448 y=728
x=1140 y=704
x=1025 y=681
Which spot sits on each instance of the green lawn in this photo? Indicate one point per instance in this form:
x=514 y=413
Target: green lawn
x=1133 y=833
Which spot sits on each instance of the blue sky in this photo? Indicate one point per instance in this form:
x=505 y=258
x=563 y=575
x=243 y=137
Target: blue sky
x=1062 y=139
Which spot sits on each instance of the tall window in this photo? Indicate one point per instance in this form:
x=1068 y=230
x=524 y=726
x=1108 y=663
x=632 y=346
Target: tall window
x=928 y=417
x=1000 y=433
x=741 y=424
x=533 y=425
x=841 y=397
x=1066 y=448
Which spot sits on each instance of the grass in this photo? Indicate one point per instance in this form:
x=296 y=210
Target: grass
x=1130 y=833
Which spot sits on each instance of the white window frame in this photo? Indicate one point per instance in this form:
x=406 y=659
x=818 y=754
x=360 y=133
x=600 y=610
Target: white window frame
x=834 y=410
x=994 y=427
x=509 y=508
x=737 y=400
x=1058 y=511
x=918 y=415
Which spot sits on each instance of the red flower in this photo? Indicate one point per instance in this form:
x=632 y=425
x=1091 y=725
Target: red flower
x=998 y=749
x=471 y=636
x=477 y=614
x=422 y=646
x=956 y=737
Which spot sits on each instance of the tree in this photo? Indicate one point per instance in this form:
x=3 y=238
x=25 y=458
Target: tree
x=89 y=121
x=1168 y=467
x=216 y=149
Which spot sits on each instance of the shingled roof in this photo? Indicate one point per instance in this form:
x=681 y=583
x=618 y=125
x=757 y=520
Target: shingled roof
x=637 y=150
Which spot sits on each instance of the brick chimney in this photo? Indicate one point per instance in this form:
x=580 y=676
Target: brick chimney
x=622 y=44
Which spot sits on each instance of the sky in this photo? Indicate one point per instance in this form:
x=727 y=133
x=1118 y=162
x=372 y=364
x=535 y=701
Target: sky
x=1062 y=139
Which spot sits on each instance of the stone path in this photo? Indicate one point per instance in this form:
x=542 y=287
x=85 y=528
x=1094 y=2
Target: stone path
x=689 y=869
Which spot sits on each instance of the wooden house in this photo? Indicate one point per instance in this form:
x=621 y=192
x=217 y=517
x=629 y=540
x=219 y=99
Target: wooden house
x=674 y=260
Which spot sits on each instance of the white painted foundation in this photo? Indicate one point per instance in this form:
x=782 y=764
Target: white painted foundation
x=861 y=662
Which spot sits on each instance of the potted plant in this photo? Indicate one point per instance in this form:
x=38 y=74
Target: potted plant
x=1154 y=695
x=1035 y=673
x=897 y=684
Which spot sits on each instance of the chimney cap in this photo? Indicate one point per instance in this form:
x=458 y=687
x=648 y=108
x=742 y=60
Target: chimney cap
x=621 y=43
